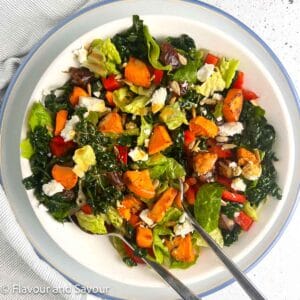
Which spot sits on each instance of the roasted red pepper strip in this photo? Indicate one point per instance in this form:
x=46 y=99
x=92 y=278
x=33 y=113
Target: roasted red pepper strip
x=110 y=83
x=222 y=153
x=238 y=84
x=130 y=254
x=211 y=59
x=122 y=153
x=188 y=137
x=87 y=209
x=244 y=221
x=190 y=195
x=224 y=181
x=59 y=147
x=249 y=95
x=233 y=197
x=158 y=76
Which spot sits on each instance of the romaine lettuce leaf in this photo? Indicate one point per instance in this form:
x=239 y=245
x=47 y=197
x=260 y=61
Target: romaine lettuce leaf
x=250 y=210
x=207 y=206
x=26 y=148
x=39 y=116
x=137 y=106
x=172 y=214
x=121 y=98
x=189 y=71
x=228 y=68
x=172 y=116
x=92 y=223
x=114 y=217
x=103 y=58
x=146 y=129
x=164 y=168
x=214 y=83
x=160 y=250
x=154 y=51
x=216 y=234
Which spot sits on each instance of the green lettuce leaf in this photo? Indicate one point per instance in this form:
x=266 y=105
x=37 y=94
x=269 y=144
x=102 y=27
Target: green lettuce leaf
x=181 y=264
x=189 y=71
x=172 y=214
x=146 y=129
x=121 y=98
x=172 y=116
x=92 y=223
x=26 y=148
x=141 y=90
x=160 y=250
x=164 y=168
x=214 y=83
x=114 y=218
x=207 y=206
x=228 y=68
x=137 y=106
x=154 y=51
x=103 y=58
x=250 y=210
x=39 y=116
x=216 y=234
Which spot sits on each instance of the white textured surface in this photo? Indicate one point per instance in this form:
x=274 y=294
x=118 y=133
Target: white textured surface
x=277 y=22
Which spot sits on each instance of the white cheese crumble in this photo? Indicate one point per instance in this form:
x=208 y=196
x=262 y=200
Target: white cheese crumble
x=97 y=94
x=52 y=187
x=231 y=128
x=217 y=96
x=158 y=99
x=68 y=132
x=92 y=104
x=184 y=228
x=81 y=54
x=205 y=72
x=144 y=217
x=238 y=184
x=137 y=154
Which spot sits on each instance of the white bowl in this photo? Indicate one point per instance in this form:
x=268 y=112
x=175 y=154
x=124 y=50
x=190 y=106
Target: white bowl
x=91 y=260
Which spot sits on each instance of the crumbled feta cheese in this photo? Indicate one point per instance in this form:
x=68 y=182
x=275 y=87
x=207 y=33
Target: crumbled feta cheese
x=238 y=184
x=97 y=94
x=205 y=72
x=158 y=99
x=81 y=54
x=144 y=217
x=137 y=154
x=217 y=96
x=236 y=214
x=92 y=104
x=52 y=187
x=68 y=132
x=84 y=158
x=146 y=143
x=184 y=228
x=182 y=218
x=232 y=164
x=219 y=119
x=231 y=128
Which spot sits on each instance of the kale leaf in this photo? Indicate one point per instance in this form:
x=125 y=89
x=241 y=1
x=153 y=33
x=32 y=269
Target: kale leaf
x=230 y=209
x=231 y=236
x=132 y=41
x=183 y=42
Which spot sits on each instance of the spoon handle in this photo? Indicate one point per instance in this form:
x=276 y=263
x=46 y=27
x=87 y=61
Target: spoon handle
x=242 y=279
x=181 y=289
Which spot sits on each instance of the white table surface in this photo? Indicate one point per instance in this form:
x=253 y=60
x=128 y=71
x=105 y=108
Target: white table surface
x=277 y=22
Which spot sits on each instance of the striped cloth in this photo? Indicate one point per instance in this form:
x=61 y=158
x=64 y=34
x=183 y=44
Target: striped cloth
x=22 y=24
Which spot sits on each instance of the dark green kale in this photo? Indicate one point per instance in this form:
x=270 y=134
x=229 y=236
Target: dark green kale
x=129 y=261
x=132 y=41
x=183 y=42
x=59 y=205
x=55 y=103
x=177 y=149
x=231 y=236
x=190 y=99
x=266 y=184
x=230 y=209
x=39 y=161
x=258 y=134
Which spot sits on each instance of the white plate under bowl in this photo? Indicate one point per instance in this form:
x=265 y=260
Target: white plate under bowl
x=90 y=260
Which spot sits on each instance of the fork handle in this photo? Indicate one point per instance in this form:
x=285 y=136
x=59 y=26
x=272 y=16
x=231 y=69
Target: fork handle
x=242 y=279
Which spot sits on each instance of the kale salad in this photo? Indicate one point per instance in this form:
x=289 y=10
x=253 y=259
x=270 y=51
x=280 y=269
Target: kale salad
x=137 y=115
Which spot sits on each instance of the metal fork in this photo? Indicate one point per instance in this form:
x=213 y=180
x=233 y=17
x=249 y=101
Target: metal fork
x=241 y=278
x=181 y=289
